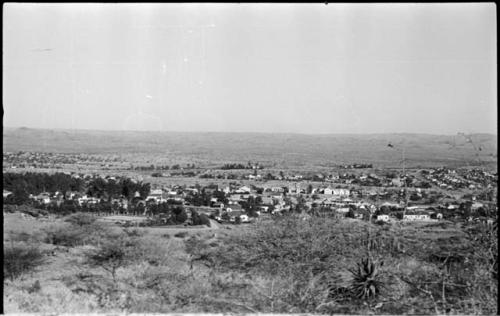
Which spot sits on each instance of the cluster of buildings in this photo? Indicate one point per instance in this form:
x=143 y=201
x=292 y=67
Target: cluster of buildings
x=382 y=196
x=32 y=160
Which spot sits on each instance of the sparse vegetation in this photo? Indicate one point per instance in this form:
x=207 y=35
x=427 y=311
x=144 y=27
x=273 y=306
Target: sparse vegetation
x=19 y=259
x=78 y=256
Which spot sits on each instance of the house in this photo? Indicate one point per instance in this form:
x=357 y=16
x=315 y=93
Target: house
x=328 y=202
x=417 y=216
x=121 y=202
x=233 y=208
x=396 y=182
x=87 y=200
x=348 y=201
x=342 y=210
x=218 y=205
x=434 y=215
x=384 y=218
x=328 y=191
x=277 y=189
x=235 y=198
x=43 y=198
x=92 y=200
x=156 y=196
x=264 y=209
x=211 y=190
x=232 y=215
x=70 y=195
x=191 y=190
x=476 y=205
x=243 y=217
x=294 y=189
x=336 y=192
x=361 y=214
x=243 y=190
x=251 y=177
x=6 y=193
x=267 y=200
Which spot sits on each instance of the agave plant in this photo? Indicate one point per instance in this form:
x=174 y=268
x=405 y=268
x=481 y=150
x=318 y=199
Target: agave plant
x=366 y=281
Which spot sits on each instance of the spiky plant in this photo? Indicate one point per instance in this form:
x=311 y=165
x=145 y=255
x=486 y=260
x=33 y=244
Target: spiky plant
x=366 y=281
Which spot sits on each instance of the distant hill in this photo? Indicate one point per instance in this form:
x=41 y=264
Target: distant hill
x=290 y=149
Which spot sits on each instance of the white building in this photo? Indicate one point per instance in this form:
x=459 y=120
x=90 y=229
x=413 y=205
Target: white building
x=419 y=216
x=384 y=218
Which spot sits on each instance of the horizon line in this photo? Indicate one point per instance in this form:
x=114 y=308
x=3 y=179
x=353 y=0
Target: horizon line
x=248 y=132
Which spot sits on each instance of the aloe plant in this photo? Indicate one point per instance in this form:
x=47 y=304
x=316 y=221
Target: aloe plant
x=366 y=281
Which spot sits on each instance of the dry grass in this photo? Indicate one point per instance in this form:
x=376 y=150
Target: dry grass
x=287 y=266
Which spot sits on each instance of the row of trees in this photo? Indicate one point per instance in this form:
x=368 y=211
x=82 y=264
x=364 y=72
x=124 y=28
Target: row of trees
x=165 y=167
x=230 y=166
x=24 y=184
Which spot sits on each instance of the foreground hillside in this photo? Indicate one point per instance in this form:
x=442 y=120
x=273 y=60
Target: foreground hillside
x=295 y=149
x=285 y=265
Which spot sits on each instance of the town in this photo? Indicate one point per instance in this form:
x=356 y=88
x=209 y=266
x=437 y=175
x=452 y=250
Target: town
x=378 y=195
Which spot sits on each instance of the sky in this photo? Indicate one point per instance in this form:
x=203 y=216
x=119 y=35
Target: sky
x=279 y=68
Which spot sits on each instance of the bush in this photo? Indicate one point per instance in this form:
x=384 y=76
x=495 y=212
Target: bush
x=204 y=220
x=21 y=259
x=199 y=219
x=66 y=235
x=181 y=234
x=133 y=232
x=81 y=219
x=24 y=237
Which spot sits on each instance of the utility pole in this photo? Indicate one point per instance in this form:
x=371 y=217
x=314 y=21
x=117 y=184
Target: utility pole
x=403 y=154
x=406 y=188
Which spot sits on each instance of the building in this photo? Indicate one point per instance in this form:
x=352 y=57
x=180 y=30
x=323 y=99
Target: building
x=43 y=198
x=384 y=218
x=243 y=190
x=417 y=216
x=156 y=196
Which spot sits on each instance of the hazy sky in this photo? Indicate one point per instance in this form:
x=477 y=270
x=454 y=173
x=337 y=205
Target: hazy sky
x=300 y=68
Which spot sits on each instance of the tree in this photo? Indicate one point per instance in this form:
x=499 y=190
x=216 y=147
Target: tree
x=110 y=256
x=179 y=215
x=350 y=214
x=20 y=259
x=309 y=189
x=195 y=217
x=204 y=220
x=144 y=190
x=301 y=204
x=414 y=197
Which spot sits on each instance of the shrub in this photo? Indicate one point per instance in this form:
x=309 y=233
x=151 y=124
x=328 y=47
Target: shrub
x=133 y=232
x=181 y=234
x=366 y=281
x=21 y=259
x=204 y=220
x=199 y=219
x=65 y=235
x=22 y=236
x=80 y=219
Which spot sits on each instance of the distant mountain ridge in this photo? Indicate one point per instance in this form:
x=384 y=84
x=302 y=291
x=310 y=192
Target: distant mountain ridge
x=294 y=148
